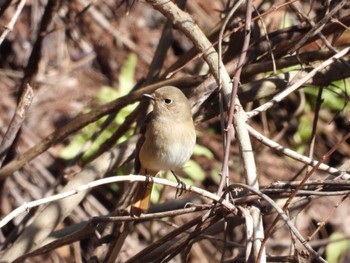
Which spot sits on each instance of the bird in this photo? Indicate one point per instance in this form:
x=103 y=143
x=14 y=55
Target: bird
x=167 y=141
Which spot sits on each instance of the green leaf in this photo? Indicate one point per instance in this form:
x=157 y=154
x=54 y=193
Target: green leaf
x=194 y=171
x=335 y=250
x=334 y=96
x=304 y=131
x=127 y=73
x=203 y=151
x=215 y=173
x=155 y=195
x=332 y=100
x=106 y=94
x=286 y=22
x=71 y=150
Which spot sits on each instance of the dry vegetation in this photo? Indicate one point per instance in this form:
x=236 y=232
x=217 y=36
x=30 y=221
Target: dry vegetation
x=66 y=64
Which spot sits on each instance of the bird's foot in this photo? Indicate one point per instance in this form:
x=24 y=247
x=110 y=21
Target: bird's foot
x=181 y=186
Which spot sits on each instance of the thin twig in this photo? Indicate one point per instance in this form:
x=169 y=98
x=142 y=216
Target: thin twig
x=87 y=118
x=315 y=121
x=109 y=180
x=273 y=61
x=193 y=55
x=184 y=22
x=225 y=132
x=12 y=23
x=32 y=66
x=331 y=212
x=182 y=239
x=279 y=97
x=146 y=217
x=16 y=122
x=318 y=27
x=228 y=129
x=295 y=155
x=119 y=36
x=243 y=138
x=283 y=215
x=307 y=176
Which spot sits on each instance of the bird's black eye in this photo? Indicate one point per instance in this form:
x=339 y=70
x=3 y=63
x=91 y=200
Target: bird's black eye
x=168 y=101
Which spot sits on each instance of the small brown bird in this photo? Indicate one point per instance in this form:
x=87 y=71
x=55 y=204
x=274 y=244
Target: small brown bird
x=167 y=142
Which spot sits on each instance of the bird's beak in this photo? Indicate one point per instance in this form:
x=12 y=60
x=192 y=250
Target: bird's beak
x=150 y=96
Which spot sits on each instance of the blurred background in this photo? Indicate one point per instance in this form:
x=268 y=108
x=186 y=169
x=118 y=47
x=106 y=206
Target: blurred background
x=93 y=52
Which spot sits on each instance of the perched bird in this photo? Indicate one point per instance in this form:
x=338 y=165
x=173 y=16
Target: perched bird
x=167 y=142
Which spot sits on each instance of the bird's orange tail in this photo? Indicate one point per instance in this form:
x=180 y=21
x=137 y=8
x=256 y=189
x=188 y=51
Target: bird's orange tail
x=142 y=198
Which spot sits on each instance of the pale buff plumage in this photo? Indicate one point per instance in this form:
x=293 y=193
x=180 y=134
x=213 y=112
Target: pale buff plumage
x=168 y=141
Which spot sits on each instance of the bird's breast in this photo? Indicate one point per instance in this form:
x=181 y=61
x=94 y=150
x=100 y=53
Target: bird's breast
x=167 y=145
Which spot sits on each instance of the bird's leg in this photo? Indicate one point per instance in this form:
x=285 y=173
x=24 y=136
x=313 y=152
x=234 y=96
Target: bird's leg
x=149 y=180
x=179 y=190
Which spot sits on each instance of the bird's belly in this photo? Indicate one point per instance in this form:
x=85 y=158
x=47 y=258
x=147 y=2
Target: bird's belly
x=157 y=155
